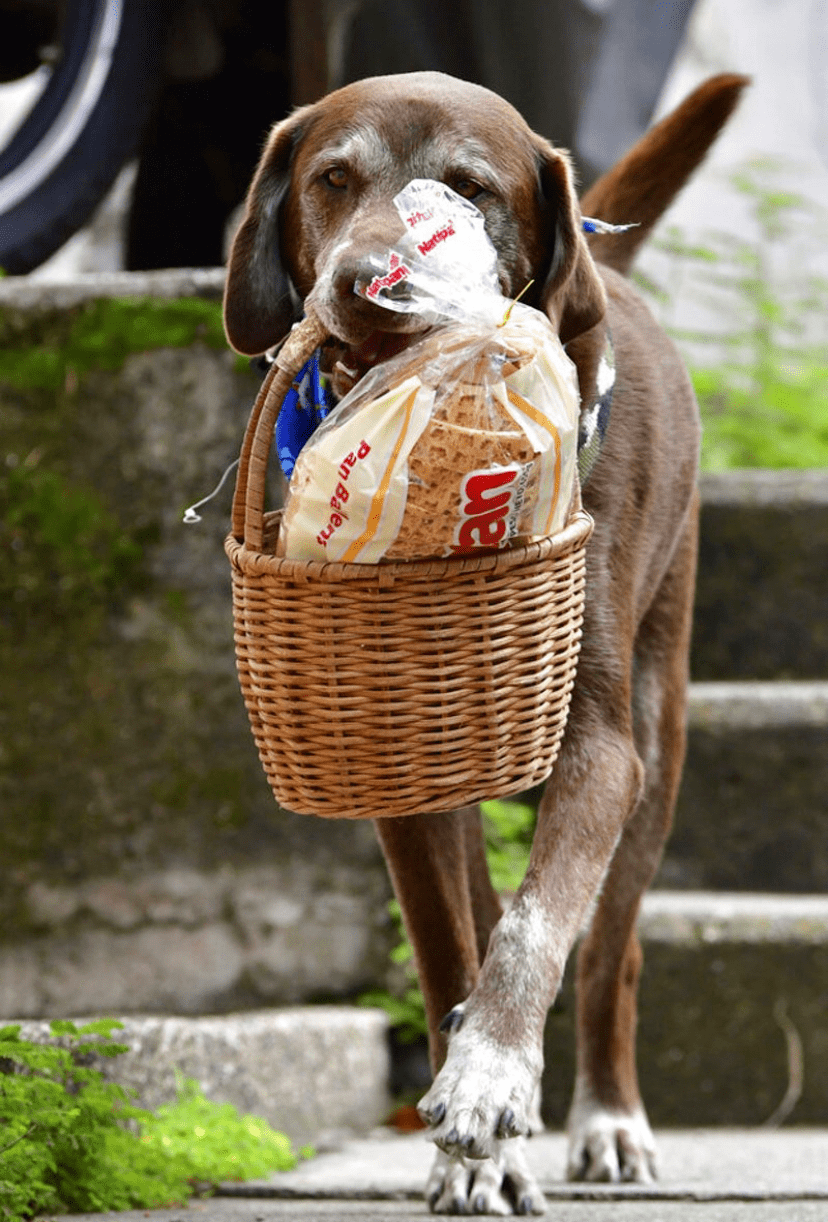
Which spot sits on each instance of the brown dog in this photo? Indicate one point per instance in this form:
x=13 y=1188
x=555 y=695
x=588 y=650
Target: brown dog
x=320 y=203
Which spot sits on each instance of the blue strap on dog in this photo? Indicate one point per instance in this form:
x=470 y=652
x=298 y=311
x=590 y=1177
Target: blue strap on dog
x=590 y=224
x=305 y=406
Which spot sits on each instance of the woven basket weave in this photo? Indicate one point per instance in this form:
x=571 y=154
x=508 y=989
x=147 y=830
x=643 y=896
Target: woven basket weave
x=392 y=688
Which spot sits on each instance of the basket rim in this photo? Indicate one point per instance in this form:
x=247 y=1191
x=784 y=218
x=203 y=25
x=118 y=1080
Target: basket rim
x=575 y=534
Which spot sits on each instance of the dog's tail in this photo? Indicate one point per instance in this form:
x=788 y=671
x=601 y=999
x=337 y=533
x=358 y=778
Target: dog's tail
x=643 y=183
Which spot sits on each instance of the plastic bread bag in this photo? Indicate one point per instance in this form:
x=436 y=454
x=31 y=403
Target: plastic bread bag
x=464 y=442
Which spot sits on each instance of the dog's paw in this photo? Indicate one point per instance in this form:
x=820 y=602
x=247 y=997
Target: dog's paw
x=484 y=1094
x=501 y=1186
x=610 y=1146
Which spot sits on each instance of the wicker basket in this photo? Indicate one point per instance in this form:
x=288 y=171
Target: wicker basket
x=392 y=688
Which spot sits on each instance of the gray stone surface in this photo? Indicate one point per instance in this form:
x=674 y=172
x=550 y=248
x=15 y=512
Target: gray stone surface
x=759 y=489
x=242 y=1210
x=194 y=941
x=752 y=813
x=731 y=1016
x=707 y=1176
x=732 y=1026
x=314 y=1072
x=745 y=705
x=704 y=917
x=38 y=296
x=693 y=1166
x=763 y=581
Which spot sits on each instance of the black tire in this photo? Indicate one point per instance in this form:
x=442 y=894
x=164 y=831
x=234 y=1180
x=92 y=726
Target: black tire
x=86 y=125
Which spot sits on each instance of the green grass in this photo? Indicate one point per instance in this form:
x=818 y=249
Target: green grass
x=72 y=1142
x=761 y=373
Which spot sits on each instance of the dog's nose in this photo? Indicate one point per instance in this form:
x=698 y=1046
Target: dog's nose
x=348 y=276
x=370 y=278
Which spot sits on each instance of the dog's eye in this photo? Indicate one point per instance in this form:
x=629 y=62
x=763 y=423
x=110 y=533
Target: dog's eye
x=467 y=187
x=336 y=177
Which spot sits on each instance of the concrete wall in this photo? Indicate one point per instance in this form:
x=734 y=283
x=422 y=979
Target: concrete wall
x=144 y=864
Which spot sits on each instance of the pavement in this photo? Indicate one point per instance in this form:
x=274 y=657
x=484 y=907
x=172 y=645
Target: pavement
x=707 y=1175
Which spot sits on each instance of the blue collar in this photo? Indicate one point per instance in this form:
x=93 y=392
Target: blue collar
x=305 y=406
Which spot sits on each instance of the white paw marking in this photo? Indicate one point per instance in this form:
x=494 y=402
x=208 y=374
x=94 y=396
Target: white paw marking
x=484 y=1093
x=610 y=1146
x=536 y=1124
x=501 y=1186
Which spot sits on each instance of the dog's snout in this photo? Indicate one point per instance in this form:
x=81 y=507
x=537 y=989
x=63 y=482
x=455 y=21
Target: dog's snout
x=357 y=276
x=348 y=276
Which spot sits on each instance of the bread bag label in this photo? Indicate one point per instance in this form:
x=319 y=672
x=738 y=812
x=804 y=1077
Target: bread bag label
x=348 y=492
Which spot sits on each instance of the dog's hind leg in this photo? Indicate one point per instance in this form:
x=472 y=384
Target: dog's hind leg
x=609 y=1136
x=437 y=864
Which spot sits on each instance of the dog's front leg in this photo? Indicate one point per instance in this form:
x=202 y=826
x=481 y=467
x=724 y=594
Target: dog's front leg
x=484 y=1090
x=438 y=866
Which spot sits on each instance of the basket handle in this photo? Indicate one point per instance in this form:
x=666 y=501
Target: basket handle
x=249 y=496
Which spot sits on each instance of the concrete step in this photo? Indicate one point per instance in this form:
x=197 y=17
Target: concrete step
x=763 y=581
x=732 y=1025
x=712 y=1175
x=752 y=813
x=316 y=1073
x=732 y=1012
x=695 y=1168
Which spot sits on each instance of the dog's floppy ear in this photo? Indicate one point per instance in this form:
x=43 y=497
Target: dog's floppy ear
x=260 y=303
x=573 y=294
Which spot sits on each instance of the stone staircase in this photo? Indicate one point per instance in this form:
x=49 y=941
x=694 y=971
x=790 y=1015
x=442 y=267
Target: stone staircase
x=733 y=1022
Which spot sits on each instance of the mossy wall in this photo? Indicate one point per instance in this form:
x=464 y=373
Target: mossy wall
x=144 y=862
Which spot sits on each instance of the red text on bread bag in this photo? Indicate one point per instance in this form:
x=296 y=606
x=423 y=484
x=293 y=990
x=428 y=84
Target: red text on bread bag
x=341 y=493
x=489 y=503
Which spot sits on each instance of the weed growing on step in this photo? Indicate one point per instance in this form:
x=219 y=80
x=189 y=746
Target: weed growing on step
x=71 y=1141
x=212 y=1141
x=403 y=1002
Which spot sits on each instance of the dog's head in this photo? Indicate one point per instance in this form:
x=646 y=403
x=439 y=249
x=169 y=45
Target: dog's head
x=321 y=202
